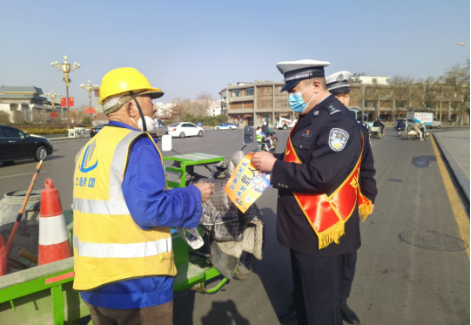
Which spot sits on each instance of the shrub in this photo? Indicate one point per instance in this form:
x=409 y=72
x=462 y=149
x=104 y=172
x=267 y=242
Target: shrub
x=86 y=120
x=44 y=131
x=4 y=117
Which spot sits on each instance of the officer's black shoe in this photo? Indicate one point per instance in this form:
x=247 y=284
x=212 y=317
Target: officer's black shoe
x=288 y=315
x=349 y=315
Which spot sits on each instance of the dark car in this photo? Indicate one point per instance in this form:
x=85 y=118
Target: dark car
x=16 y=144
x=94 y=130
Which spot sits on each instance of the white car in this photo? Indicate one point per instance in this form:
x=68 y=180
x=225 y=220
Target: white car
x=436 y=123
x=225 y=126
x=185 y=129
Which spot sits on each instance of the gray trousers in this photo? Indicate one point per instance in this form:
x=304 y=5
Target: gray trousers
x=155 y=315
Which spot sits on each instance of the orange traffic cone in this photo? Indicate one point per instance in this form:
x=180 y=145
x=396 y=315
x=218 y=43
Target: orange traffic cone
x=54 y=242
x=3 y=257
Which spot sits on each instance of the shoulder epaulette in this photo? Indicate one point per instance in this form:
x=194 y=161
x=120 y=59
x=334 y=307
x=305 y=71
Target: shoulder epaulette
x=332 y=109
x=363 y=124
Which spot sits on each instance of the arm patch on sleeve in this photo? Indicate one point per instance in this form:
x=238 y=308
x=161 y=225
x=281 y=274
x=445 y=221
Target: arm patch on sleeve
x=338 y=139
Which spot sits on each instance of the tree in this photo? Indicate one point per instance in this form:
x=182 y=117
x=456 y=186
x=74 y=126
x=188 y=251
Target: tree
x=401 y=91
x=458 y=80
x=202 y=105
x=180 y=107
x=373 y=94
x=427 y=93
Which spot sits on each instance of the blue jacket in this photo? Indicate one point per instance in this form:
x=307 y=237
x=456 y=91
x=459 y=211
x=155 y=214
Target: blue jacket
x=150 y=206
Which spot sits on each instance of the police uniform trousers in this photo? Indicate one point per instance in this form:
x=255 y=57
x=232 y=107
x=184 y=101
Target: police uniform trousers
x=321 y=285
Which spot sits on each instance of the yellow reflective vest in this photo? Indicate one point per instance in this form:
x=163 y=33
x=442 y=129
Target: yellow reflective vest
x=108 y=245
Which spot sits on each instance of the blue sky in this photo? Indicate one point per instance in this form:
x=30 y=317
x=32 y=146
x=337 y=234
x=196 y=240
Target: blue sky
x=187 y=47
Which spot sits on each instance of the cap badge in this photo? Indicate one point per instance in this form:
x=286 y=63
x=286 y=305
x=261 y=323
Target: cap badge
x=340 y=77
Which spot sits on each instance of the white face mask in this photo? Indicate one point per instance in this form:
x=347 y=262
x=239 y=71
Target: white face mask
x=150 y=123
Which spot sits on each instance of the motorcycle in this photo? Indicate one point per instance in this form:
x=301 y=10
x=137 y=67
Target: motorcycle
x=263 y=143
x=414 y=135
x=401 y=133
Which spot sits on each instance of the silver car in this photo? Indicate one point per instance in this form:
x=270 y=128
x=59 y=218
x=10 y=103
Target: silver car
x=160 y=128
x=408 y=122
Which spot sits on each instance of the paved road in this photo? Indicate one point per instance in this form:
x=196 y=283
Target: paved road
x=396 y=283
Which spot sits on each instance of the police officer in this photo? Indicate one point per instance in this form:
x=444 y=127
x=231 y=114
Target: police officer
x=317 y=177
x=338 y=85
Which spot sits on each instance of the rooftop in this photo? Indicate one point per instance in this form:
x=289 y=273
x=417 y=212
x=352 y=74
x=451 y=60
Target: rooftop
x=25 y=90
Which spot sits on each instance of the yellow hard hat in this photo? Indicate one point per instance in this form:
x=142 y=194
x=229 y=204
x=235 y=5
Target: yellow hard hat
x=124 y=80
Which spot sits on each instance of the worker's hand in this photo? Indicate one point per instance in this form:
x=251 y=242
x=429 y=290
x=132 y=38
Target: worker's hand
x=263 y=161
x=372 y=208
x=206 y=190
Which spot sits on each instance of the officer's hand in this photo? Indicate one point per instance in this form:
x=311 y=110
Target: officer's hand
x=372 y=208
x=263 y=161
x=206 y=190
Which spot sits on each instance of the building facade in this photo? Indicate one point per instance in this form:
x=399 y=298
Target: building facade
x=25 y=104
x=371 y=80
x=251 y=103
x=375 y=97
x=390 y=102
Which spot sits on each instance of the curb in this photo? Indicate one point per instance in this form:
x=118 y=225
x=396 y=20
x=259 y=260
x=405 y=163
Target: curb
x=65 y=138
x=460 y=176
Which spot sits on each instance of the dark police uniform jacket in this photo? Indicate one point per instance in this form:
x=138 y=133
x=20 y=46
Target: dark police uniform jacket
x=367 y=169
x=322 y=171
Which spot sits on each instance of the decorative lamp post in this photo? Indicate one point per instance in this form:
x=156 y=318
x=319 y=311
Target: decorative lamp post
x=66 y=67
x=89 y=87
x=53 y=97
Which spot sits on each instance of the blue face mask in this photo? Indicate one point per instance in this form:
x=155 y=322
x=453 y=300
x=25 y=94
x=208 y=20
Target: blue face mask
x=296 y=101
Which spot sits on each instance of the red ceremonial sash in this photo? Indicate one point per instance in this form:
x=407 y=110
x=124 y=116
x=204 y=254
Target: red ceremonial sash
x=327 y=215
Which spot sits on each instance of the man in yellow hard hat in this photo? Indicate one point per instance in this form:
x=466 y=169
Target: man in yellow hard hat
x=124 y=263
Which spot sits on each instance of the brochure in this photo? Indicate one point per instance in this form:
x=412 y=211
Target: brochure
x=247 y=184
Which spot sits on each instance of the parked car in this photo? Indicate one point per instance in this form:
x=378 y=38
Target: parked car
x=160 y=128
x=226 y=126
x=185 y=129
x=284 y=123
x=436 y=123
x=94 y=130
x=16 y=144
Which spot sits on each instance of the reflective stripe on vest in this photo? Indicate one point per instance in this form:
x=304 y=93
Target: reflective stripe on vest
x=123 y=250
x=115 y=207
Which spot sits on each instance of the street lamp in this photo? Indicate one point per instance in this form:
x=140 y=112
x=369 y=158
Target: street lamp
x=66 y=68
x=53 y=97
x=89 y=87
